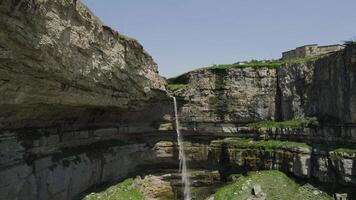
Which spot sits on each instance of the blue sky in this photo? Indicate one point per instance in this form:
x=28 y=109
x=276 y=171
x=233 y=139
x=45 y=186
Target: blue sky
x=185 y=34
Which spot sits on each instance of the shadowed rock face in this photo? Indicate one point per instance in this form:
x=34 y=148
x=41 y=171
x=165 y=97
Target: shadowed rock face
x=325 y=88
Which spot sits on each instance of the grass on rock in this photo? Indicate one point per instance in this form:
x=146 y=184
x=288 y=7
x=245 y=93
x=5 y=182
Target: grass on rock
x=260 y=144
x=272 y=64
x=125 y=190
x=174 y=87
x=293 y=123
x=275 y=184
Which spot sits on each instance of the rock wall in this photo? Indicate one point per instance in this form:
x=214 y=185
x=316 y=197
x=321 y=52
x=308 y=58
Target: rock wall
x=326 y=165
x=218 y=102
x=228 y=95
x=59 y=65
x=74 y=96
x=61 y=165
x=324 y=88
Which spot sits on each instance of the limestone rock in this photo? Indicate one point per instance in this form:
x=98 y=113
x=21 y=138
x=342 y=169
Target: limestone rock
x=154 y=188
x=60 y=65
x=324 y=88
x=228 y=95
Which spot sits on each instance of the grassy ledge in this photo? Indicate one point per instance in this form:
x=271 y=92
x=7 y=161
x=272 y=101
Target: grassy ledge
x=293 y=123
x=275 y=184
x=260 y=144
x=174 y=87
x=125 y=190
x=272 y=64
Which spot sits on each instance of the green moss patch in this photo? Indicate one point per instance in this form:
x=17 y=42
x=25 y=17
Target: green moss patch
x=260 y=144
x=174 y=87
x=339 y=153
x=293 y=123
x=271 y=64
x=122 y=191
x=275 y=184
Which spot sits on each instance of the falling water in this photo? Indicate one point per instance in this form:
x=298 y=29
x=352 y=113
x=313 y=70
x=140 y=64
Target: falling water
x=182 y=158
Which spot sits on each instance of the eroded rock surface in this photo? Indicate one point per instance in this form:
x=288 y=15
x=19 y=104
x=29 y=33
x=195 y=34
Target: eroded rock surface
x=72 y=90
x=60 y=65
x=324 y=88
x=228 y=95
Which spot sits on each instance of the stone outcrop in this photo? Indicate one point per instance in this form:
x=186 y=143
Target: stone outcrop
x=61 y=66
x=76 y=98
x=228 y=95
x=324 y=88
x=232 y=155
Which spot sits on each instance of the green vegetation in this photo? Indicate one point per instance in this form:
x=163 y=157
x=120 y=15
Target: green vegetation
x=174 y=87
x=123 y=191
x=275 y=184
x=260 y=144
x=349 y=151
x=263 y=63
x=272 y=64
x=338 y=153
x=293 y=123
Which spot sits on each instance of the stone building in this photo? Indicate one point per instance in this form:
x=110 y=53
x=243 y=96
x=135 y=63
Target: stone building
x=310 y=50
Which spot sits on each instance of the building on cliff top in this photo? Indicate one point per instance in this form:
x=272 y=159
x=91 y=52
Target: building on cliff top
x=310 y=50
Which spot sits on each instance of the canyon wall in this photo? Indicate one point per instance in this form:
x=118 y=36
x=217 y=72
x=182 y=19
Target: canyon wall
x=74 y=93
x=324 y=88
x=83 y=105
x=223 y=99
x=61 y=66
x=227 y=96
x=232 y=155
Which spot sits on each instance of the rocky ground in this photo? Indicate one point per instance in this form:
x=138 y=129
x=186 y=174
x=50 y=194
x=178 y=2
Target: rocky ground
x=161 y=185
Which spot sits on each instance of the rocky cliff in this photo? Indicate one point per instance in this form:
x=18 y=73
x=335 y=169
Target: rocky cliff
x=222 y=101
x=72 y=90
x=83 y=105
x=61 y=65
x=226 y=96
x=324 y=88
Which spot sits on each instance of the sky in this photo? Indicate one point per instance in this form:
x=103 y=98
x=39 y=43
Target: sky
x=182 y=35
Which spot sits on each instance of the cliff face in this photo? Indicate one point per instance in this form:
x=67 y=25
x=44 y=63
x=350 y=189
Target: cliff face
x=228 y=95
x=82 y=105
x=61 y=65
x=232 y=155
x=75 y=95
x=219 y=102
x=324 y=88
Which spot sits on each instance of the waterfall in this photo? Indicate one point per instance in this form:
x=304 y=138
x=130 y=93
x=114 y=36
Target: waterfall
x=182 y=158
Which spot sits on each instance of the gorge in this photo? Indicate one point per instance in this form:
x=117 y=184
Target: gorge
x=83 y=108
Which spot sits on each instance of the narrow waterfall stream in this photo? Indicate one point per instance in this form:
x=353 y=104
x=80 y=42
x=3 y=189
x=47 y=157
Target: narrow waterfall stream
x=182 y=158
